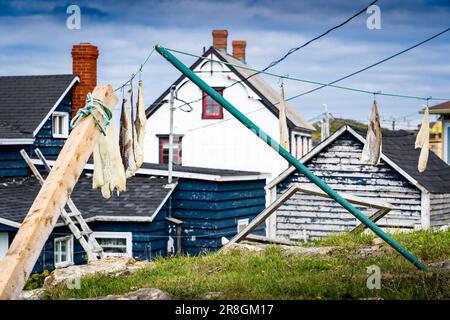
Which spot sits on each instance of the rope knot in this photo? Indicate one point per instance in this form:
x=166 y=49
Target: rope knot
x=105 y=112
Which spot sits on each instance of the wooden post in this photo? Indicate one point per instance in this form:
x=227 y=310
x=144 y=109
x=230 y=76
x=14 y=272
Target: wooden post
x=21 y=257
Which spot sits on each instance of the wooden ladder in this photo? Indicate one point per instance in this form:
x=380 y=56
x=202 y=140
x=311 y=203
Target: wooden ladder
x=85 y=236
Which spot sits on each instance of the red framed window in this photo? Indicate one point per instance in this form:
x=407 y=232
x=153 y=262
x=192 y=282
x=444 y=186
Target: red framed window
x=212 y=109
x=164 y=150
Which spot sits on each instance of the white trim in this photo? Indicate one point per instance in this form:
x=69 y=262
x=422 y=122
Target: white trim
x=9 y=223
x=242 y=223
x=172 y=188
x=445 y=141
x=128 y=236
x=70 y=259
x=425 y=209
x=180 y=174
x=65 y=124
x=75 y=80
x=16 y=141
x=5 y=237
x=272 y=220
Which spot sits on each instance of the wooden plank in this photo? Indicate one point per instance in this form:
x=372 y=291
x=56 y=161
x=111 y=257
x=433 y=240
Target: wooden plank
x=375 y=217
x=18 y=263
x=262 y=239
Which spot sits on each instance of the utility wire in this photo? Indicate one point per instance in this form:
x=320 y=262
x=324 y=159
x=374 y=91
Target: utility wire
x=133 y=75
x=371 y=66
x=295 y=49
x=287 y=77
x=292 y=50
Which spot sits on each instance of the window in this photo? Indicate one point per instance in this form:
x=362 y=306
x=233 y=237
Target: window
x=63 y=252
x=4 y=243
x=211 y=109
x=115 y=244
x=60 y=125
x=241 y=224
x=164 y=149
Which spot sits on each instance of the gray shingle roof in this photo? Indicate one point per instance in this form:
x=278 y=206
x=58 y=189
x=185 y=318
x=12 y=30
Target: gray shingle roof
x=26 y=100
x=209 y=171
x=143 y=196
x=399 y=147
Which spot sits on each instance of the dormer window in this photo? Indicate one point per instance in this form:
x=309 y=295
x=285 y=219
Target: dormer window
x=60 y=124
x=212 y=109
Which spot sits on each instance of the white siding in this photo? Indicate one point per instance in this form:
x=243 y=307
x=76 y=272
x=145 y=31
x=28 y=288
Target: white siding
x=224 y=143
x=440 y=209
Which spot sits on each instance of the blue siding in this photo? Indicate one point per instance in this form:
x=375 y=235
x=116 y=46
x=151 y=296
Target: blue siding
x=12 y=163
x=210 y=210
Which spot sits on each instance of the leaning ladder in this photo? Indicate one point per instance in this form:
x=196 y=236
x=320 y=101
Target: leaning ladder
x=85 y=236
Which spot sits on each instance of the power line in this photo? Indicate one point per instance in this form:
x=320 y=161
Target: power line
x=370 y=66
x=295 y=49
x=286 y=77
x=292 y=50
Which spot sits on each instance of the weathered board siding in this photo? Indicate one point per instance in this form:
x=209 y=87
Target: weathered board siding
x=339 y=166
x=439 y=209
x=12 y=163
x=210 y=210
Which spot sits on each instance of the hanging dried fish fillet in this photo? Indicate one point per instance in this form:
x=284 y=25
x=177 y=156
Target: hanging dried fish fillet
x=140 y=123
x=126 y=142
x=109 y=173
x=284 y=135
x=423 y=141
x=372 y=148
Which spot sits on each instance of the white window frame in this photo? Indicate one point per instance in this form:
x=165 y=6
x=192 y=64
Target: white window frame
x=4 y=237
x=65 y=124
x=117 y=235
x=69 y=254
x=445 y=141
x=242 y=223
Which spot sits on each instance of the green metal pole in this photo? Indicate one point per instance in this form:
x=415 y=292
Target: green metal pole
x=286 y=155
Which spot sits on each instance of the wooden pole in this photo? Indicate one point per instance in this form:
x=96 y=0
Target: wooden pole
x=16 y=266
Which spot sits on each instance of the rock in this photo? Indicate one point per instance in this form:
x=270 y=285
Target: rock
x=377 y=241
x=215 y=295
x=36 y=294
x=141 y=294
x=286 y=250
x=442 y=265
x=110 y=265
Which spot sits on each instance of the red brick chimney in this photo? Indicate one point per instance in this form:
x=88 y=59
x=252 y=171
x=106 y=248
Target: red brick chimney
x=239 y=49
x=84 y=65
x=220 y=39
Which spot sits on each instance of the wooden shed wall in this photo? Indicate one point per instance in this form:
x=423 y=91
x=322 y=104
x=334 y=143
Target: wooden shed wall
x=439 y=209
x=339 y=166
x=210 y=210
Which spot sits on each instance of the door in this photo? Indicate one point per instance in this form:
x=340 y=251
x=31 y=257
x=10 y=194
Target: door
x=3 y=244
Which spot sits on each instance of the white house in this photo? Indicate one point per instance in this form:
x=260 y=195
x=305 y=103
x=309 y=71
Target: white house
x=209 y=136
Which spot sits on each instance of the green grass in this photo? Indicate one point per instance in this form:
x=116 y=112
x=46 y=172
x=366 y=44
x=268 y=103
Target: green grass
x=272 y=275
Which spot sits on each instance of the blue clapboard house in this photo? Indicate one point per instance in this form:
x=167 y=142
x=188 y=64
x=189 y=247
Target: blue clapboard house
x=196 y=213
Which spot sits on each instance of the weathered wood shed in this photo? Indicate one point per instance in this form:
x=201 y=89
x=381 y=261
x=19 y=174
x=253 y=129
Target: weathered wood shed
x=421 y=200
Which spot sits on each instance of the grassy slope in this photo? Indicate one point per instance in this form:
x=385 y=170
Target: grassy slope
x=271 y=275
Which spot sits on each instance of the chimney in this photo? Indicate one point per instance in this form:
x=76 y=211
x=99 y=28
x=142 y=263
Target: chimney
x=239 y=49
x=84 y=65
x=220 y=39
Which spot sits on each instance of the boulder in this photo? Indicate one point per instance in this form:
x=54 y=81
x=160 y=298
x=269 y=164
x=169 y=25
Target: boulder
x=110 y=265
x=36 y=294
x=141 y=294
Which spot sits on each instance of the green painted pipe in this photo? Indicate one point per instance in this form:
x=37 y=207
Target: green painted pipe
x=286 y=155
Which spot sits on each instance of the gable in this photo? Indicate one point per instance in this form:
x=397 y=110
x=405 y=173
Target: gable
x=26 y=102
x=256 y=86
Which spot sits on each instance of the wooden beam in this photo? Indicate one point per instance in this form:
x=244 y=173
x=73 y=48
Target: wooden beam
x=21 y=257
x=383 y=206
x=375 y=217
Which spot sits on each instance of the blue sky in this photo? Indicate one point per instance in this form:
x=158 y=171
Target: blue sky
x=35 y=40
